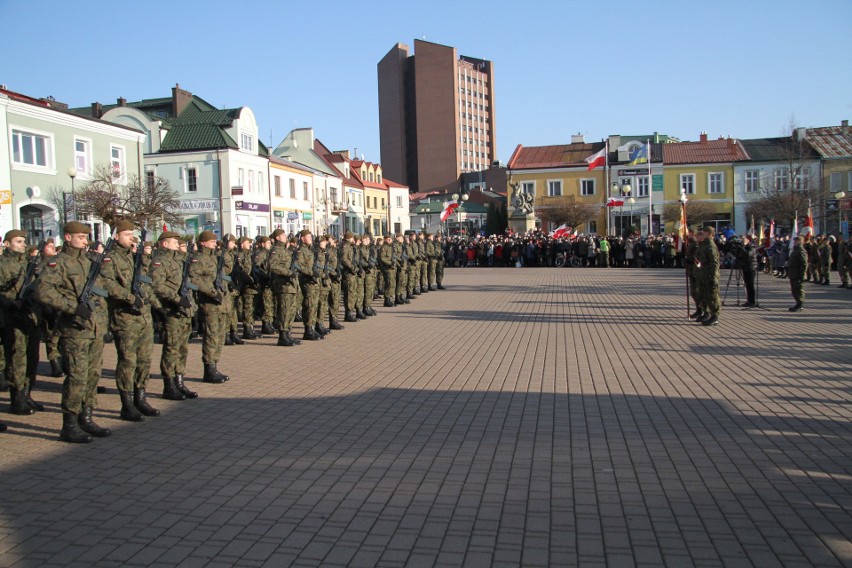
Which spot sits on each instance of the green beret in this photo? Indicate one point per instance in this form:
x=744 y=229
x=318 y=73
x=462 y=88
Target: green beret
x=167 y=235
x=327 y=237
x=124 y=225
x=206 y=236
x=323 y=239
x=366 y=236
x=263 y=239
x=348 y=235
x=15 y=233
x=398 y=235
x=76 y=227
x=293 y=240
x=244 y=239
x=388 y=236
x=304 y=233
x=276 y=233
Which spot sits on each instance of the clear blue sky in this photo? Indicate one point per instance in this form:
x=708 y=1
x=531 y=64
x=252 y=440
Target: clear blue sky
x=744 y=68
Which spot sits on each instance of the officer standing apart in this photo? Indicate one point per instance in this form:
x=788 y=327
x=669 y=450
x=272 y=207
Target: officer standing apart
x=80 y=330
x=797 y=267
x=212 y=302
x=707 y=264
x=167 y=274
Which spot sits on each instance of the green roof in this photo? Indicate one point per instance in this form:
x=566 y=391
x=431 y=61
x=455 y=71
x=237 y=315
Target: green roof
x=200 y=128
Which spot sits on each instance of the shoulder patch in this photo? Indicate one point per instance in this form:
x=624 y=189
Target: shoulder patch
x=158 y=264
x=107 y=259
x=51 y=264
x=194 y=260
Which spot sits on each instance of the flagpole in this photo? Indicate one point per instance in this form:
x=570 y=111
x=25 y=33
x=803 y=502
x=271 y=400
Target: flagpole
x=606 y=181
x=684 y=232
x=650 y=192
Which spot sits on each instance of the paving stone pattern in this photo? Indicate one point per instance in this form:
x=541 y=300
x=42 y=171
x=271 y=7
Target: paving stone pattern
x=534 y=417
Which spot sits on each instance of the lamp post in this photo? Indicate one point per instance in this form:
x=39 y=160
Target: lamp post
x=839 y=195
x=460 y=199
x=72 y=173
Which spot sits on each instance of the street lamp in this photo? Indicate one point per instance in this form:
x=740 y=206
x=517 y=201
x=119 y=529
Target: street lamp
x=72 y=173
x=460 y=199
x=839 y=195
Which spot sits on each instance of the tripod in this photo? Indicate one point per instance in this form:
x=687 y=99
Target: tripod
x=731 y=273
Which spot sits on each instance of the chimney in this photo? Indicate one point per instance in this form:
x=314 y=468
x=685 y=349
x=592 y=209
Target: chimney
x=97 y=110
x=801 y=132
x=180 y=98
x=703 y=137
x=121 y=101
x=342 y=153
x=731 y=142
x=844 y=127
x=577 y=138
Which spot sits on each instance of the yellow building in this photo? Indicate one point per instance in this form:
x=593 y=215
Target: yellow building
x=376 y=202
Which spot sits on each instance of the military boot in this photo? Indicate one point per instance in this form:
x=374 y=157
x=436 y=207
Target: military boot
x=359 y=315
x=432 y=288
x=235 y=339
x=416 y=291
x=229 y=338
x=350 y=317
x=84 y=420
x=424 y=289
x=248 y=331
x=140 y=402
x=212 y=374
x=56 y=368
x=128 y=411
x=27 y=394
x=182 y=388
x=284 y=339
x=388 y=302
x=370 y=311
x=695 y=315
x=71 y=431
x=712 y=320
x=267 y=329
x=18 y=400
x=323 y=331
x=334 y=324
x=440 y=287
x=796 y=308
x=170 y=390
x=310 y=334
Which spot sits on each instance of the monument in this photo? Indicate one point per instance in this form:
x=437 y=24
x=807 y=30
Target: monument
x=522 y=217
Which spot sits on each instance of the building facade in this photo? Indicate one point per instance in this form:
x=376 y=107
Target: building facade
x=436 y=115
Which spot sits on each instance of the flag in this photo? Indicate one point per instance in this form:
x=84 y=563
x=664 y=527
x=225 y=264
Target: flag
x=596 y=160
x=771 y=237
x=641 y=156
x=561 y=231
x=762 y=235
x=751 y=229
x=614 y=202
x=683 y=230
x=795 y=232
x=449 y=207
x=808 y=225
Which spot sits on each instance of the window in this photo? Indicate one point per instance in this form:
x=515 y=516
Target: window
x=528 y=187
x=292 y=188
x=782 y=182
x=715 y=182
x=378 y=177
x=554 y=187
x=687 y=183
x=752 y=181
x=587 y=187
x=260 y=183
x=593 y=227
x=32 y=149
x=332 y=193
x=150 y=178
x=250 y=180
x=246 y=141
x=82 y=155
x=191 y=180
x=399 y=201
x=803 y=178
x=116 y=161
x=277 y=186
x=240 y=177
x=642 y=186
x=307 y=195
x=835 y=181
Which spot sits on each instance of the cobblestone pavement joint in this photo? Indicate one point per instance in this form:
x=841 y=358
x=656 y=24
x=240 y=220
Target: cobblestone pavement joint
x=522 y=417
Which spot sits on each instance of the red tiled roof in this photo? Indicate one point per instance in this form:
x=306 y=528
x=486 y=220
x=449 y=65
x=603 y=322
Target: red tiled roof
x=704 y=152
x=830 y=141
x=563 y=155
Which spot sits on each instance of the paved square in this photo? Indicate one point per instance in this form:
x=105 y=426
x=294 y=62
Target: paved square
x=522 y=417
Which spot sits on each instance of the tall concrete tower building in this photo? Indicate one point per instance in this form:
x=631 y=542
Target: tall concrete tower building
x=436 y=115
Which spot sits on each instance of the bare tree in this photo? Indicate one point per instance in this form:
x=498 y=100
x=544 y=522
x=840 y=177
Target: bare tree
x=697 y=212
x=568 y=211
x=56 y=196
x=138 y=201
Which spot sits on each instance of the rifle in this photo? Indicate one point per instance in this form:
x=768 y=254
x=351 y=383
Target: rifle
x=186 y=287
x=89 y=288
x=138 y=276
x=29 y=275
x=294 y=266
x=221 y=277
x=318 y=271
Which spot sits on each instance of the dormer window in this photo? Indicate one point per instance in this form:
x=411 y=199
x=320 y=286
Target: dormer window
x=247 y=142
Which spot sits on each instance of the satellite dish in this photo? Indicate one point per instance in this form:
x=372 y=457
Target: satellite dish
x=34 y=192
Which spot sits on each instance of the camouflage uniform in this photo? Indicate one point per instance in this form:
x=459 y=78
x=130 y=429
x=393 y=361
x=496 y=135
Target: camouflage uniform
x=19 y=320
x=707 y=278
x=422 y=263
x=400 y=250
x=413 y=279
x=431 y=261
x=333 y=260
x=388 y=263
x=247 y=290
x=843 y=262
x=360 y=263
x=691 y=274
x=324 y=287
x=797 y=266
x=48 y=329
x=349 y=269
x=824 y=252
x=284 y=285
x=309 y=284
x=213 y=304
x=266 y=308
x=370 y=264
x=439 y=263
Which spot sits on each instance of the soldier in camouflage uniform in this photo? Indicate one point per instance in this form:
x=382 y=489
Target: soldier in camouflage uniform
x=399 y=247
x=824 y=252
x=309 y=276
x=48 y=321
x=370 y=264
x=349 y=269
x=388 y=263
x=334 y=271
x=131 y=326
x=360 y=263
x=692 y=273
x=212 y=303
x=423 y=263
x=167 y=272
x=797 y=266
x=322 y=253
x=244 y=277
x=284 y=285
x=266 y=308
x=432 y=252
x=843 y=262
x=707 y=277
x=80 y=331
x=231 y=336
x=19 y=319
x=440 y=261
x=413 y=254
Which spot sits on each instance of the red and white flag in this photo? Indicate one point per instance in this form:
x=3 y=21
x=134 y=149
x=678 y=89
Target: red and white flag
x=596 y=160
x=449 y=207
x=808 y=225
x=614 y=202
x=561 y=231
